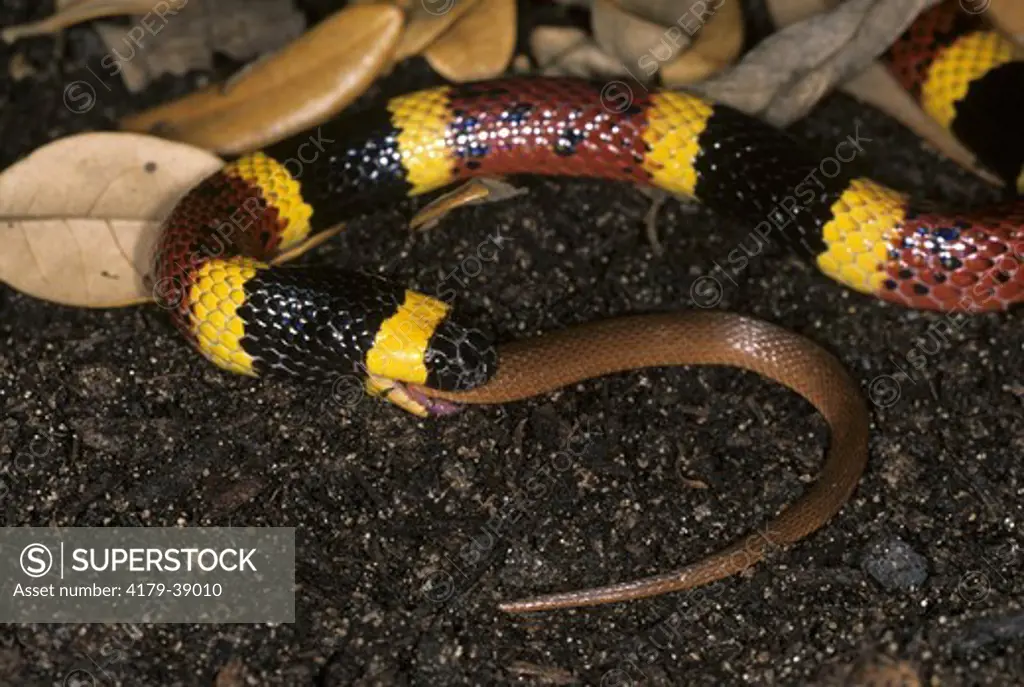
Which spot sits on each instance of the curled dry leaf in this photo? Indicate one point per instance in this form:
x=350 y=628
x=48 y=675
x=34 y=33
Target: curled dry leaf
x=428 y=19
x=876 y=86
x=150 y=46
x=684 y=41
x=568 y=51
x=788 y=12
x=638 y=43
x=669 y=12
x=477 y=46
x=304 y=84
x=717 y=46
x=79 y=217
x=1008 y=15
x=549 y=44
x=78 y=11
x=781 y=79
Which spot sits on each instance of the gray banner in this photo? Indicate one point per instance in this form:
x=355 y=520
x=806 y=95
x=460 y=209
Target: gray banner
x=147 y=575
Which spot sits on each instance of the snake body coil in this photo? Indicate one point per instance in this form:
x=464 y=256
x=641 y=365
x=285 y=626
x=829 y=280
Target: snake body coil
x=213 y=258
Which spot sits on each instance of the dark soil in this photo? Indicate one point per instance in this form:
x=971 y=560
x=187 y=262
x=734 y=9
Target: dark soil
x=409 y=532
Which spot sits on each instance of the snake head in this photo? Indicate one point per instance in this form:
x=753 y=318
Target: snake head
x=458 y=358
x=454 y=358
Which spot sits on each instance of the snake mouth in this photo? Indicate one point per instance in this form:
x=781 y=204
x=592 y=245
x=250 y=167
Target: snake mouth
x=435 y=407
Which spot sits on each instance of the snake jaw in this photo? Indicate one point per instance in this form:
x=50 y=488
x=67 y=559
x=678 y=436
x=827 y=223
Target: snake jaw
x=435 y=407
x=407 y=398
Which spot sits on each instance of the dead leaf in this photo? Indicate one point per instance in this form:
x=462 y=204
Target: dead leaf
x=782 y=78
x=307 y=244
x=521 y=64
x=1008 y=15
x=477 y=46
x=641 y=45
x=717 y=46
x=788 y=12
x=474 y=192
x=76 y=12
x=428 y=19
x=241 y=29
x=548 y=44
x=88 y=240
x=304 y=84
x=683 y=40
x=568 y=51
x=668 y=12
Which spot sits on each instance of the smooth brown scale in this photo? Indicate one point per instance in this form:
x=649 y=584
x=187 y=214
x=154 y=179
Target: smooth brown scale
x=557 y=127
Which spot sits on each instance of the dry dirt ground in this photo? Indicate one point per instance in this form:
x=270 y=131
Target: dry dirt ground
x=409 y=531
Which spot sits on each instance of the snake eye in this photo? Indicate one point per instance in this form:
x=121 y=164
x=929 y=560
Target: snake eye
x=459 y=358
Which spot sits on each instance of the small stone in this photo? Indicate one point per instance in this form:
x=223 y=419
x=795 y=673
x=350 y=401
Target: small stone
x=895 y=566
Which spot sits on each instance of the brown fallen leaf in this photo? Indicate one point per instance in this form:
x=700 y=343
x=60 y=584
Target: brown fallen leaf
x=149 y=47
x=788 y=12
x=473 y=192
x=670 y=12
x=1008 y=15
x=783 y=77
x=304 y=84
x=88 y=240
x=78 y=11
x=428 y=19
x=718 y=44
x=683 y=41
x=568 y=51
x=640 y=44
x=549 y=44
x=477 y=46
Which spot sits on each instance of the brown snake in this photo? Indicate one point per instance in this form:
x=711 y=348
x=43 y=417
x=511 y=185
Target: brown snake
x=553 y=360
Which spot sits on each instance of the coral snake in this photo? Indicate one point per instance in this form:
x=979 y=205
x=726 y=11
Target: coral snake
x=212 y=261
